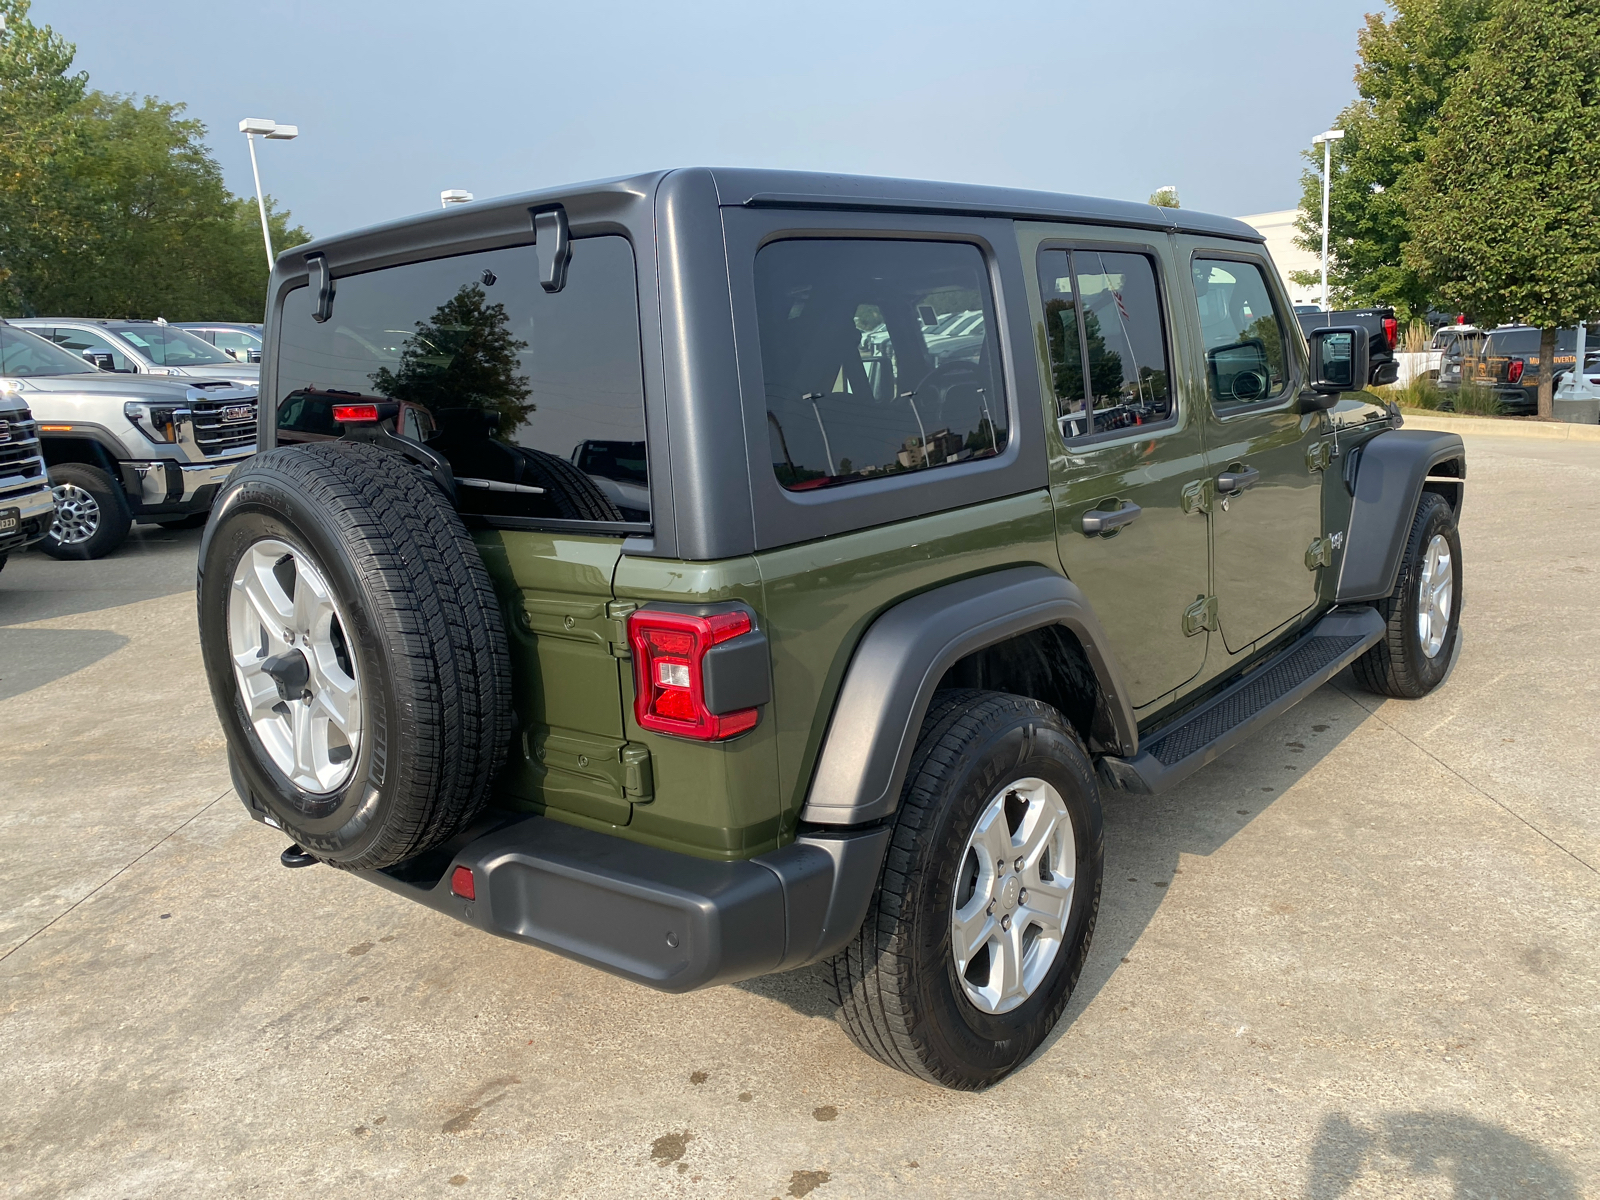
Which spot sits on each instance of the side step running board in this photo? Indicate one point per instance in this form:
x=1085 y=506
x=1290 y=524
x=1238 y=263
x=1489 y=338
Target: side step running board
x=1224 y=721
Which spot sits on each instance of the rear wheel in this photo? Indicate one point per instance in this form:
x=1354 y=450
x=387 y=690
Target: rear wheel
x=91 y=518
x=983 y=917
x=355 y=652
x=1423 y=611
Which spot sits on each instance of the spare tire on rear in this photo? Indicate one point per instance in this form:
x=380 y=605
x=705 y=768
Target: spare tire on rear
x=355 y=650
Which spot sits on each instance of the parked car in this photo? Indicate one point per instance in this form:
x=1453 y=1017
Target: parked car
x=1509 y=363
x=1382 y=328
x=142 y=348
x=121 y=449
x=844 y=680
x=1455 y=345
x=239 y=341
x=27 y=506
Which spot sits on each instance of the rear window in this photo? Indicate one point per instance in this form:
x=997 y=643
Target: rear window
x=535 y=397
x=879 y=358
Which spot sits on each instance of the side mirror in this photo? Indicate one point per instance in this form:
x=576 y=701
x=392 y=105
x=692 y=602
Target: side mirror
x=100 y=359
x=1340 y=359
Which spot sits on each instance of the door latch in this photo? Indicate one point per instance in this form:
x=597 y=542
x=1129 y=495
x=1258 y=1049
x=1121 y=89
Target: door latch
x=1200 y=616
x=1319 y=553
x=1197 y=496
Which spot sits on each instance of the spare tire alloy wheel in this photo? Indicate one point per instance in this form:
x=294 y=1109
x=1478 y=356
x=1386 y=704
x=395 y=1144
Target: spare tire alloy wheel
x=355 y=650
x=297 y=678
x=1013 y=895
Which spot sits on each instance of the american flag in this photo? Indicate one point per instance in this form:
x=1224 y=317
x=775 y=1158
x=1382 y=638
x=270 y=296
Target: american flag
x=1121 y=307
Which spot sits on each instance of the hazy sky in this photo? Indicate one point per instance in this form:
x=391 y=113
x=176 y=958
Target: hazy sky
x=397 y=100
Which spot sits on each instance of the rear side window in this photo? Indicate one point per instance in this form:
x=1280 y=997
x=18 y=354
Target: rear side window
x=535 y=397
x=78 y=340
x=878 y=357
x=1108 y=345
x=1243 y=333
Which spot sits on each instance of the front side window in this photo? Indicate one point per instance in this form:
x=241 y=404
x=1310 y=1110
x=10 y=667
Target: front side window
x=79 y=340
x=1243 y=333
x=168 y=347
x=236 y=343
x=879 y=357
x=1107 y=343
x=513 y=384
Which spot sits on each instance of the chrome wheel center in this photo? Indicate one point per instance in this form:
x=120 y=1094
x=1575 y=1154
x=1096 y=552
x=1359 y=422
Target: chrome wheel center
x=1013 y=895
x=1435 y=595
x=294 y=666
x=77 y=515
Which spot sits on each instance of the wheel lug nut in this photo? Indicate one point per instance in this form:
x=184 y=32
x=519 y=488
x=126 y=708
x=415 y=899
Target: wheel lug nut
x=1018 y=866
x=1022 y=896
x=990 y=909
x=1005 y=923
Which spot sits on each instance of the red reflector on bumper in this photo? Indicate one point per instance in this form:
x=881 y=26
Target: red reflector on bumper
x=461 y=883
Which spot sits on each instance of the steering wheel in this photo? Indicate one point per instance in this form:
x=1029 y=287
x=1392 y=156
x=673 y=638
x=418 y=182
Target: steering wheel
x=946 y=376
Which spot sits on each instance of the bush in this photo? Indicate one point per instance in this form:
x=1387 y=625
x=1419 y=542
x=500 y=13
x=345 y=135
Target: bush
x=1476 y=400
x=1422 y=392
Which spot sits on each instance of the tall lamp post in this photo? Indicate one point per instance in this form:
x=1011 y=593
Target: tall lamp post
x=253 y=127
x=1326 y=140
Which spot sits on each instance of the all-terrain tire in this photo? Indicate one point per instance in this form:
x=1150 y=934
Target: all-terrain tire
x=896 y=984
x=1400 y=665
x=424 y=633
x=92 y=517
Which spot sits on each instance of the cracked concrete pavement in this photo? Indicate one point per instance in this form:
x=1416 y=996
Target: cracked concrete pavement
x=1355 y=957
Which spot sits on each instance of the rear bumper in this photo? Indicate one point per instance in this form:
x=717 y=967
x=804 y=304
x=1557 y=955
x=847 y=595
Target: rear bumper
x=669 y=921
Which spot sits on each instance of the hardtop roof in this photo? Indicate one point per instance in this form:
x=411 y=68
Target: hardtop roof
x=751 y=187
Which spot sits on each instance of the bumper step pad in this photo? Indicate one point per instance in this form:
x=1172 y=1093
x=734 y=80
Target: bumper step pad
x=1246 y=706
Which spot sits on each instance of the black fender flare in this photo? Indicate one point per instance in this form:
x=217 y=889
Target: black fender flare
x=899 y=662
x=1389 y=478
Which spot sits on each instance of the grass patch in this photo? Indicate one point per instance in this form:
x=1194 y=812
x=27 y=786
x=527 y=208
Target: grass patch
x=1475 y=400
x=1421 y=393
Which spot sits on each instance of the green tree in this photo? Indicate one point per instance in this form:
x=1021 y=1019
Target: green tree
x=465 y=357
x=111 y=207
x=1409 y=63
x=1505 y=206
x=1165 y=197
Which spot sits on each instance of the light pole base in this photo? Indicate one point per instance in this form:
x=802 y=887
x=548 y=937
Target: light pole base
x=1578 y=411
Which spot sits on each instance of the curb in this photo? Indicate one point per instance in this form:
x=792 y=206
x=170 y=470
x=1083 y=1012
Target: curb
x=1560 y=431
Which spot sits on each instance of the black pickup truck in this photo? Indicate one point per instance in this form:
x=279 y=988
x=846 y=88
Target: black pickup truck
x=1383 y=331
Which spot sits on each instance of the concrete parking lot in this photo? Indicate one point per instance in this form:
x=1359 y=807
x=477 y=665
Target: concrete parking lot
x=1359 y=956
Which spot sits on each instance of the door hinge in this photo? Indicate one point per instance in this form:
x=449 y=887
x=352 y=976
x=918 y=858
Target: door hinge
x=1200 y=616
x=1198 y=495
x=1320 y=456
x=1319 y=553
x=617 y=626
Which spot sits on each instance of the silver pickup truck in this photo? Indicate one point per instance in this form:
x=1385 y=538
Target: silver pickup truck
x=122 y=448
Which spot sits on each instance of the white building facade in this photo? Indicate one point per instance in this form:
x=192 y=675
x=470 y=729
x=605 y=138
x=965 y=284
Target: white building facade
x=1278 y=228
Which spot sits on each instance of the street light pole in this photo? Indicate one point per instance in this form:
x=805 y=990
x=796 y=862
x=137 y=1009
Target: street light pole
x=1327 y=139
x=251 y=127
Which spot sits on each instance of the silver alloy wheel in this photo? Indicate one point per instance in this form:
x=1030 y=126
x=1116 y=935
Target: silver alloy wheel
x=1435 y=595
x=294 y=665
x=1013 y=895
x=77 y=516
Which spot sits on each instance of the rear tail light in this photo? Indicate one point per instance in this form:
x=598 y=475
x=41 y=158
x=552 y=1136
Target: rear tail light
x=1391 y=330
x=669 y=651
x=355 y=414
x=1514 y=371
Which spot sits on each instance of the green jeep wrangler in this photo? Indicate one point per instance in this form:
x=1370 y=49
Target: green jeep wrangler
x=715 y=572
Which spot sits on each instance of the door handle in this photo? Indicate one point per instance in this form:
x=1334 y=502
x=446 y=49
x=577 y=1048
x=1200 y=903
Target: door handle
x=1095 y=521
x=1237 y=481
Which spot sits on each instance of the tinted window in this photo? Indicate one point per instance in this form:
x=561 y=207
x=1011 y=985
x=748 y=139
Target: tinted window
x=1243 y=333
x=23 y=354
x=79 y=340
x=514 y=381
x=1106 y=338
x=168 y=347
x=879 y=357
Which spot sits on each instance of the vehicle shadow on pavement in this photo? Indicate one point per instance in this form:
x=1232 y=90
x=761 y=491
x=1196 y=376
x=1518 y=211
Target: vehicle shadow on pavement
x=36 y=587
x=1475 y=1157
x=31 y=658
x=1146 y=839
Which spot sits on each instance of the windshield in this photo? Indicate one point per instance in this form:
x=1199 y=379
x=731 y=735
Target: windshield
x=23 y=355
x=168 y=347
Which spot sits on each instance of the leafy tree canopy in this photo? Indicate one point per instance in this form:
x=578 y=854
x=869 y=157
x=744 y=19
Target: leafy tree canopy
x=111 y=207
x=1408 y=66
